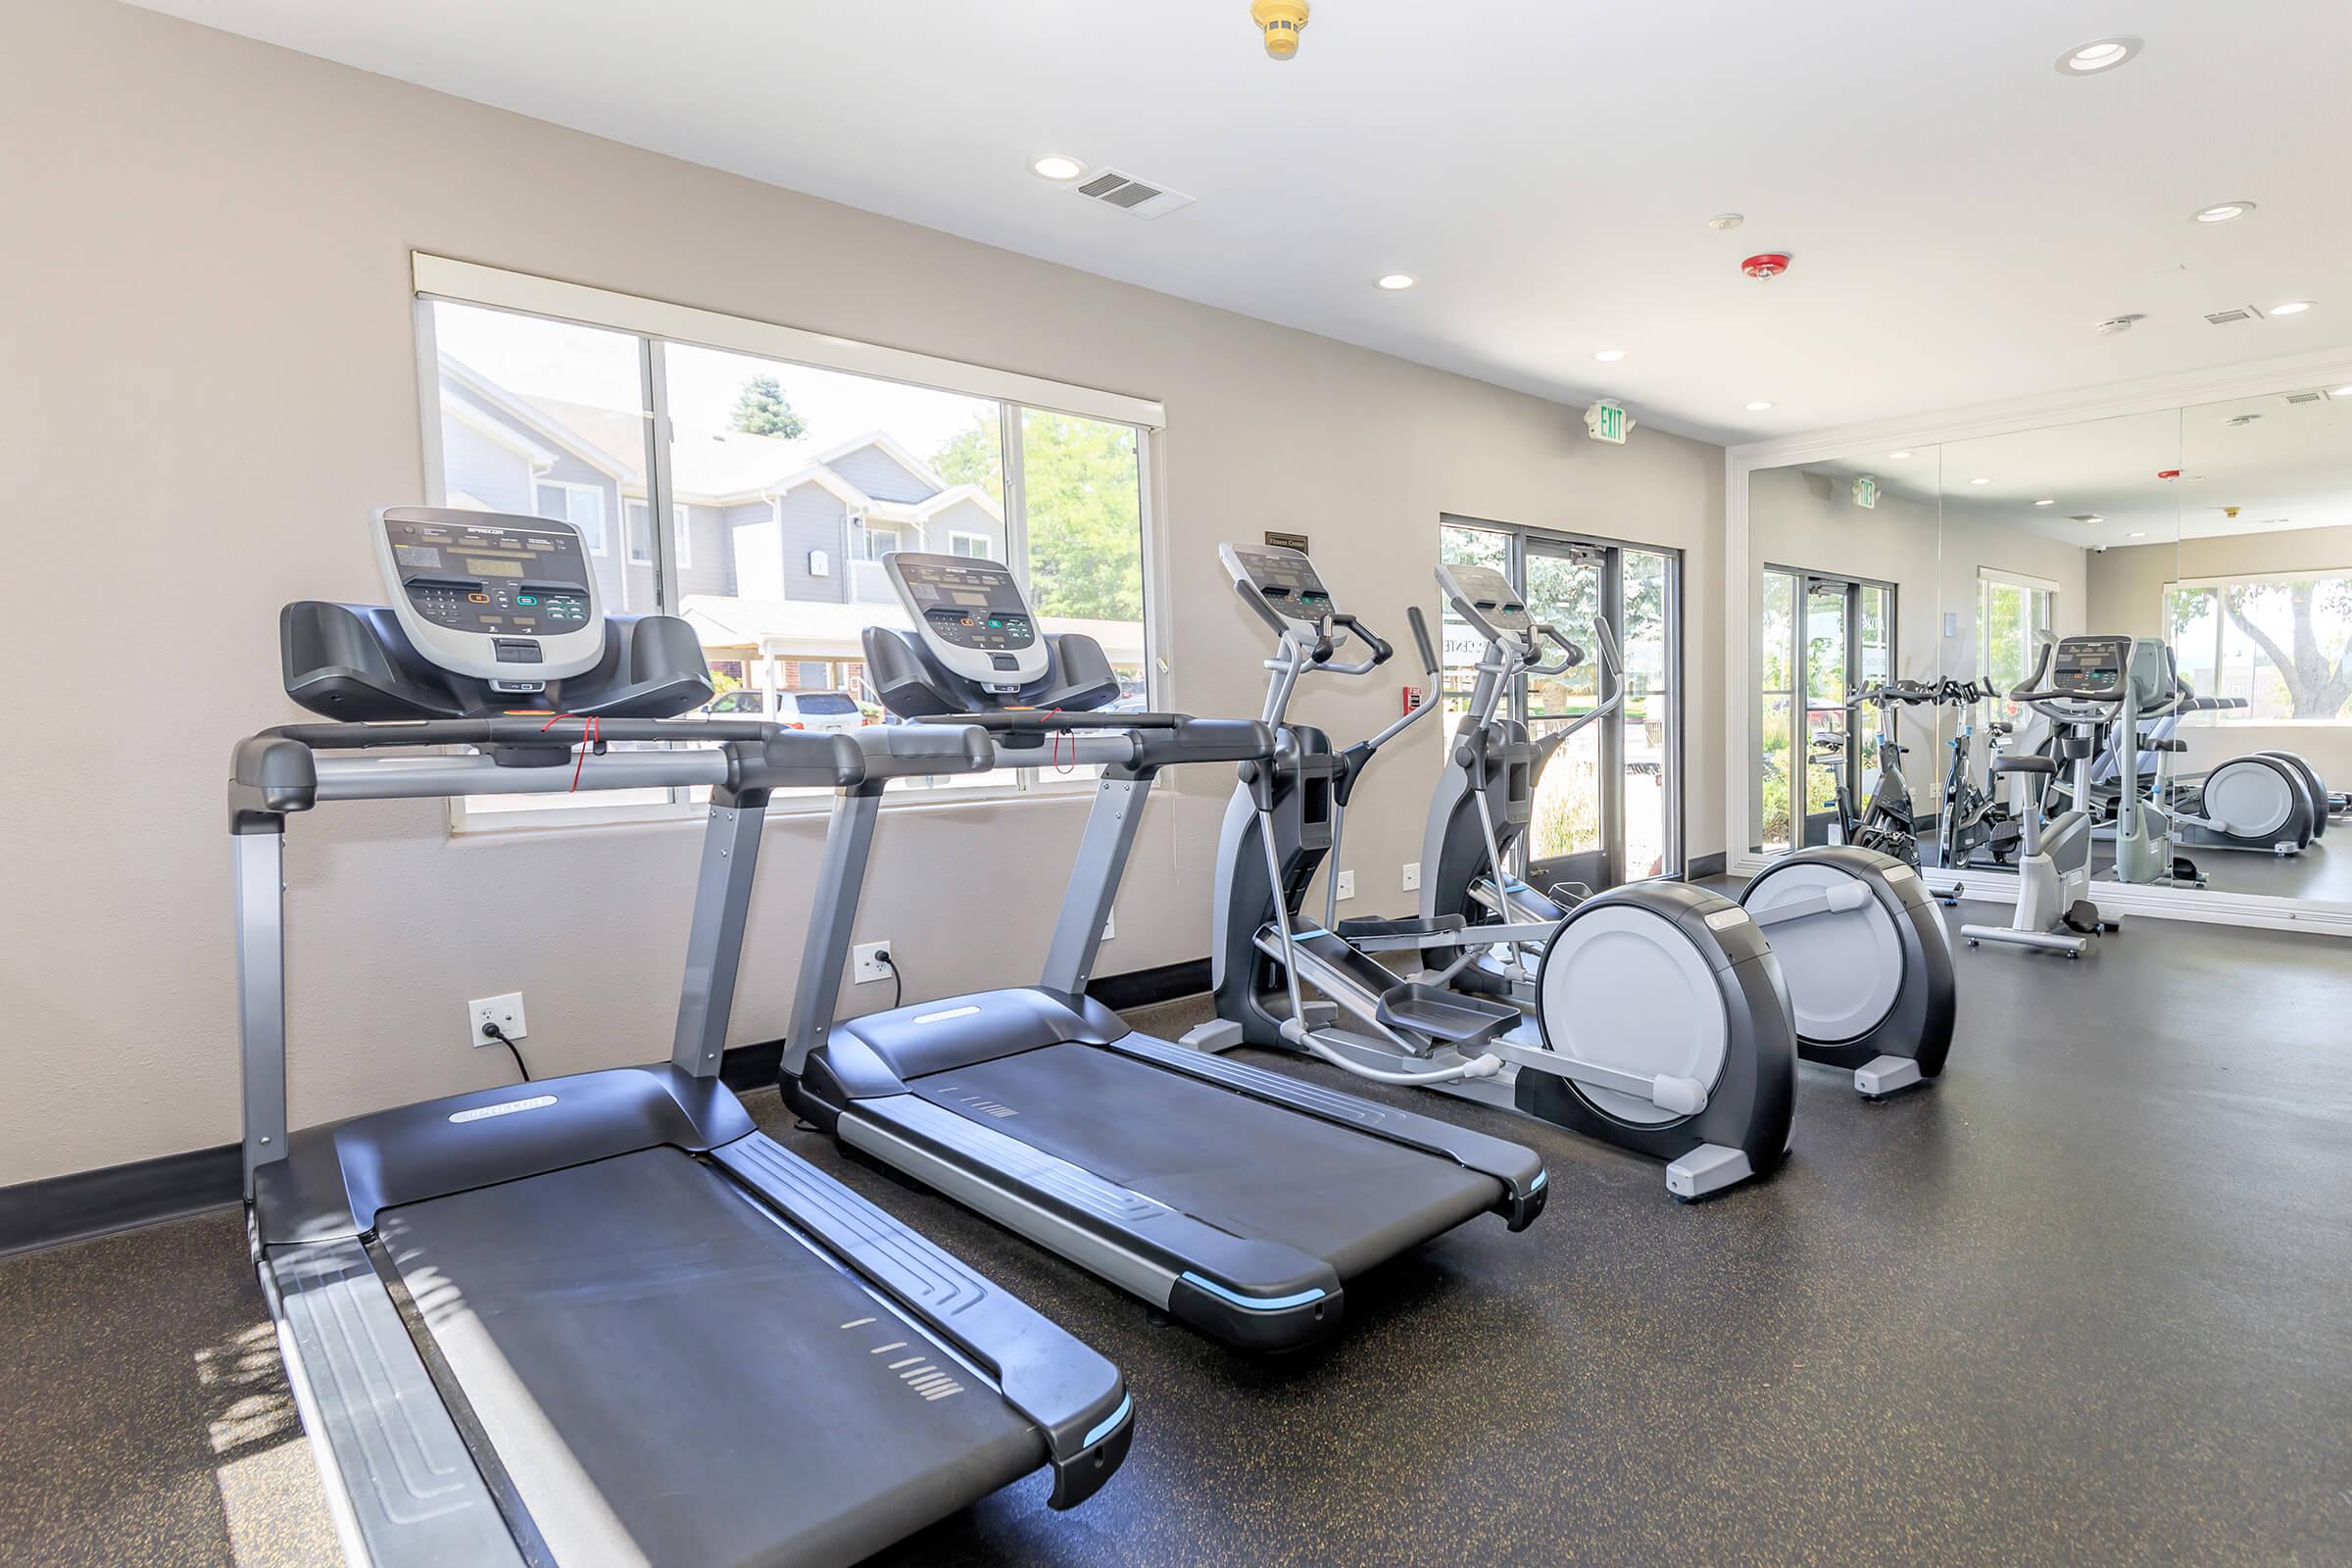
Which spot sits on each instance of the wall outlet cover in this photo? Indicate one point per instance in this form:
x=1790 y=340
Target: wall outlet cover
x=504 y=1011
x=865 y=963
x=1412 y=876
x=1347 y=885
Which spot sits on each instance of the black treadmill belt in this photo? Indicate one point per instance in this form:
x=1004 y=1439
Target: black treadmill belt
x=669 y=1377
x=1246 y=1166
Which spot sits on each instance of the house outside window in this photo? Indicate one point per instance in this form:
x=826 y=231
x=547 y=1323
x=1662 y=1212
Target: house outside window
x=580 y=505
x=974 y=545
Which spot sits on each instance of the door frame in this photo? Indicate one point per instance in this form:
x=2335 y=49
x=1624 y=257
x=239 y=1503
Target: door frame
x=1672 y=858
x=1805 y=826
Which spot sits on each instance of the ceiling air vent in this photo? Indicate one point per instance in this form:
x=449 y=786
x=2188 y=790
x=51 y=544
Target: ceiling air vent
x=2316 y=395
x=1132 y=195
x=2239 y=313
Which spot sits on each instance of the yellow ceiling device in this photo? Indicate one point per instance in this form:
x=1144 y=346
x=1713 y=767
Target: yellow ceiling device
x=1281 y=20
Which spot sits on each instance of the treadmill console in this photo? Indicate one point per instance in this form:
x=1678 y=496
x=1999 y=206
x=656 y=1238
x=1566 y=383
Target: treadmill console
x=1282 y=582
x=1485 y=598
x=2091 y=668
x=971 y=616
x=504 y=599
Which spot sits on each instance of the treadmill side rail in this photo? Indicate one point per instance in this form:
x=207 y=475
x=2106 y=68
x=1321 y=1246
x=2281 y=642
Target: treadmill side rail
x=1520 y=1169
x=400 y=1480
x=1075 y=1398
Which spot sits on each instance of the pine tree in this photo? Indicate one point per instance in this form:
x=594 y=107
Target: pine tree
x=761 y=410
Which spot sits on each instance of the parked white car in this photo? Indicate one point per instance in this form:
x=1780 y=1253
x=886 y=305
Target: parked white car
x=824 y=713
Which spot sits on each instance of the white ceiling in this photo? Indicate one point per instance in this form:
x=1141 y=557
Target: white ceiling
x=1960 y=214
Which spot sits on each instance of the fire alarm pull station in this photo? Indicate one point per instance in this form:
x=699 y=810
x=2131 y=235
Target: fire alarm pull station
x=1412 y=699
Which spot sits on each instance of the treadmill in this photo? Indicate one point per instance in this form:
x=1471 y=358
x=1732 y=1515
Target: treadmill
x=1238 y=1200
x=601 y=1318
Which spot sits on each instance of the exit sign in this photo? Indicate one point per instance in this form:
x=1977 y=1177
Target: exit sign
x=1287 y=540
x=1866 y=491
x=1606 y=421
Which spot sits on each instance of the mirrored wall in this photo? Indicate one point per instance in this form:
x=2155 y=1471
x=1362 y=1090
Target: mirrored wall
x=1902 y=598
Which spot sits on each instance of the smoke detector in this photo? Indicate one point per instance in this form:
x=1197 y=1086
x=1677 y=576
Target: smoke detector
x=1281 y=22
x=1138 y=198
x=1766 y=266
x=1724 y=222
x=2118 y=323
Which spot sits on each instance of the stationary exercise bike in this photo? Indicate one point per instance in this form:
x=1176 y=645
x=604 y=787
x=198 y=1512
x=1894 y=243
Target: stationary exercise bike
x=2083 y=685
x=1975 y=825
x=1887 y=823
x=1860 y=948
x=1658 y=1023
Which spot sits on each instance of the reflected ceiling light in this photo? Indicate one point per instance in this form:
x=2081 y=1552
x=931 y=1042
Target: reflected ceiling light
x=2052 y=502
x=1758 y=407
x=2100 y=54
x=1980 y=481
x=1056 y=166
x=1609 y=356
x=2291 y=308
x=1896 y=456
x=1393 y=282
x=2222 y=212
x=2139 y=533
x=2342 y=392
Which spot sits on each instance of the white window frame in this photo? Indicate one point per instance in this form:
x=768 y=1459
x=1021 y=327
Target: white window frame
x=602 y=544
x=957 y=536
x=681 y=520
x=1987 y=578
x=657 y=324
x=2219 y=586
x=629 y=507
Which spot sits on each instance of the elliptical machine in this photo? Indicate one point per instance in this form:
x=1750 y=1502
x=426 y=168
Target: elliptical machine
x=1860 y=948
x=2082 y=685
x=1660 y=1023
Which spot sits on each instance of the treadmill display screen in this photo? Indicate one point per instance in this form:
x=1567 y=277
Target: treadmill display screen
x=1285 y=579
x=971 y=606
x=493 y=579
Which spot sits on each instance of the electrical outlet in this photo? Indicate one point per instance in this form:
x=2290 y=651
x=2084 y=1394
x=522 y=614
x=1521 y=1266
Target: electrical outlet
x=1412 y=876
x=869 y=961
x=504 y=1011
x=1347 y=885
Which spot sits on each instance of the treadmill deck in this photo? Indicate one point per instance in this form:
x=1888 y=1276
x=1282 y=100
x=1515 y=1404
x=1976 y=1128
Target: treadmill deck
x=670 y=1376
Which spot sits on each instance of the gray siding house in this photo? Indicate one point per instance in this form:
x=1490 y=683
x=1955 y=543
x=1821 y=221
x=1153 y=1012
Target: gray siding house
x=757 y=518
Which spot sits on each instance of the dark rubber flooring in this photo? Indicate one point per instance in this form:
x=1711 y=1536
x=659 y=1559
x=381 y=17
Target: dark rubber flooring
x=2087 y=1300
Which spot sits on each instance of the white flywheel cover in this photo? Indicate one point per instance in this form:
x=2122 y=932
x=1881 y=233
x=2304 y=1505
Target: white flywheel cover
x=2249 y=799
x=1623 y=988
x=1844 y=968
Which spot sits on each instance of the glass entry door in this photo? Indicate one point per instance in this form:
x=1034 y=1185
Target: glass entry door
x=1607 y=806
x=1839 y=640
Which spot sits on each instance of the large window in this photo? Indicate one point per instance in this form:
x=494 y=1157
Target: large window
x=779 y=489
x=2280 y=645
x=2013 y=614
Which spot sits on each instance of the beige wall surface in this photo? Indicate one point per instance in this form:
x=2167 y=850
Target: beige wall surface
x=2126 y=595
x=212 y=371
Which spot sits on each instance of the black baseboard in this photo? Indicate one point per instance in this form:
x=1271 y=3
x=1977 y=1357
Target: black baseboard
x=1703 y=866
x=95 y=1203
x=1141 y=988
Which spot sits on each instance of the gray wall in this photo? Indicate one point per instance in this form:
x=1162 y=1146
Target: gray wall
x=260 y=370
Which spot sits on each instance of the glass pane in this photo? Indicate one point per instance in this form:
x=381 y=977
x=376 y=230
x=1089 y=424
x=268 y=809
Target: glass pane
x=1877 y=651
x=1462 y=648
x=1825 y=696
x=1776 y=772
x=1648 y=705
x=2196 y=633
x=1567 y=814
x=1776 y=675
x=546 y=418
x=2283 y=649
x=794 y=482
x=1082 y=489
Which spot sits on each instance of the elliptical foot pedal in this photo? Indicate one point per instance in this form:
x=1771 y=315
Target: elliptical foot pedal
x=1708 y=1168
x=1882 y=1076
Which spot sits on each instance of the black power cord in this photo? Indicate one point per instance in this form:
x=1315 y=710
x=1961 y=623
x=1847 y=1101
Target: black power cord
x=500 y=1035
x=898 y=982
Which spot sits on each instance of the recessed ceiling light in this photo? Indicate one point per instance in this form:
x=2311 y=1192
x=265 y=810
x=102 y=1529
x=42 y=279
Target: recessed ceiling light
x=1758 y=407
x=1056 y=166
x=2139 y=533
x=1609 y=356
x=2052 y=502
x=2100 y=54
x=1980 y=481
x=2342 y=392
x=2222 y=212
x=2291 y=308
x=1896 y=456
x=1398 y=280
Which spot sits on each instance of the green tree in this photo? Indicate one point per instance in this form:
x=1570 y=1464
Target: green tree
x=1085 y=509
x=764 y=409
x=2318 y=677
